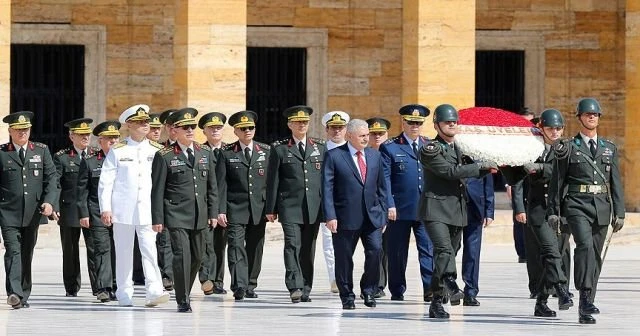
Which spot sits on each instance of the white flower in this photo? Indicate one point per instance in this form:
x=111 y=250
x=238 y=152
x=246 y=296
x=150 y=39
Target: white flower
x=506 y=146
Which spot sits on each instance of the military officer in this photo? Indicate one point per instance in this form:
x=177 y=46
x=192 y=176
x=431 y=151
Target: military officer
x=184 y=197
x=164 y=116
x=155 y=127
x=546 y=239
x=378 y=132
x=587 y=166
x=241 y=172
x=212 y=270
x=443 y=205
x=108 y=134
x=403 y=172
x=124 y=194
x=67 y=162
x=294 y=196
x=29 y=188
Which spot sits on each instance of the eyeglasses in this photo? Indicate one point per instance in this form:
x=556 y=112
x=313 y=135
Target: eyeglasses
x=415 y=123
x=248 y=128
x=188 y=127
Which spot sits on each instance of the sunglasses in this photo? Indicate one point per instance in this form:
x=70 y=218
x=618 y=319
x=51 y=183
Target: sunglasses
x=188 y=127
x=248 y=128
x=415 y=123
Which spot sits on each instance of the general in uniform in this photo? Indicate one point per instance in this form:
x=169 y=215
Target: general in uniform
x=587 y=167
x=241 y=172
x=294 y=196
x=67 y=162
x=28 y=189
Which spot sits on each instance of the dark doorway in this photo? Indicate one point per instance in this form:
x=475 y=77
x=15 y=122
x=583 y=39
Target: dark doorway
x=49 y=81
x=276 y=79
x=500 y=79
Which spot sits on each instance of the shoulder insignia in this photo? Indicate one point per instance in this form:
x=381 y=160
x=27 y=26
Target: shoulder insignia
x=122 y=143
x=431 y=149
x=280 y=142
x=227 y=147
x=318 y=140
x=165 y=150
x=155 y=144
x=205 y=147
x=388 y=141
x=39 y=144
x=262 y=145
x=61 y=152
x=4 y=146
x=607 y=141
x=577 y=141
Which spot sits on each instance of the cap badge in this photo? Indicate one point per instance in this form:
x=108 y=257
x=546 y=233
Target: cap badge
x=336 y=117
x=215 y=119
x=415 y=112
x=301 y=113
x=22 y=119
x=244 y=119
x=83 y=125
x=187 y=115
x=111 y=128
x=376 y=125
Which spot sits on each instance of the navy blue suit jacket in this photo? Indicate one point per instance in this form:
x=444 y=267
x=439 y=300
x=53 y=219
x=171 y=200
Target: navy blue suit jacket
x=481 y=202
x=345 y=197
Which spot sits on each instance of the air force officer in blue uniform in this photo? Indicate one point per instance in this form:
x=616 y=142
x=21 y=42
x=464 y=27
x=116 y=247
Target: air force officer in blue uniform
x=404 y=176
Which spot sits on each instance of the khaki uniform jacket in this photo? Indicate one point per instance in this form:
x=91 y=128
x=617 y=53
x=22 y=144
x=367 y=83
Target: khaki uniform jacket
x=67 y=162
x=87 y=187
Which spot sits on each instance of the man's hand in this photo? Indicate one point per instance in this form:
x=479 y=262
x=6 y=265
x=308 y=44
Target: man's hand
x=157 y=227
x=222 y=220
x=46 y=209
x=532 y=168
x=521 y=217
x=392 y=214
x=508 y=190
x=488 y=165
x=617 y=224
x=106 y=218
x=554 y=222
x=214 y=222
x=272 y=217
x=487 y=221
x=84 y=222
x=332 y=225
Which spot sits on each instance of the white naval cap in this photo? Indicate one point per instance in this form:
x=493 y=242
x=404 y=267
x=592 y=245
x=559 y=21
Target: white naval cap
x=335 y=118
x=135 y=112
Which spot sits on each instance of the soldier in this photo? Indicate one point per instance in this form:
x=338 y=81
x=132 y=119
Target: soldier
x=212 y=270
x=89 y=210
x=587 y=168
x=241 y=174
x=378 y=133
x=124 y=194
x=294 y=196
x=335 y=127
x=29 y=188
x=155 y=127
x=403 y=173
x=546 y=244
x=167 y=126
x=67 y=162
x=443 y=205
x=184 y=198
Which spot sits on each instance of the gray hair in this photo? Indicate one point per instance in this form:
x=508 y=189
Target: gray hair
x=356 y=124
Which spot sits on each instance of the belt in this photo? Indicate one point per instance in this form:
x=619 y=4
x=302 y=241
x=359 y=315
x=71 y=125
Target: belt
x=588 y=188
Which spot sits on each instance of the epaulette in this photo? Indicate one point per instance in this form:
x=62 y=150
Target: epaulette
x=561 y=148
x=205 y=147
x=155 y=144
x=92 y=154
x=39 y=144
x=166 y=150
x=388 y=141
x=226 y=147
x=609 y=142
x=4 y=146
x=280 y=142
x=61 y=152
x=318 y=140
x=122 y=143
x=262 y=145
x=431 y=149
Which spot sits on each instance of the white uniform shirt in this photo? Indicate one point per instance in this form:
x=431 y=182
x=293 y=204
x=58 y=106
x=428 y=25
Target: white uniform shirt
x=125 y=182
x=331 y=145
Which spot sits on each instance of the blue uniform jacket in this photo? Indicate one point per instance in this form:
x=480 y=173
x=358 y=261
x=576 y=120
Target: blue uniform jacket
x=481 y=202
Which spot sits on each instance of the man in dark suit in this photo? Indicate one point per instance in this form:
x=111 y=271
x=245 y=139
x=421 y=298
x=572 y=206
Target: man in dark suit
x=354 y=203
x=403 y=173
x=184 y=197
x=480 y=214
x=29 y=188
x=88 y=206
x=211 y=273
x=443 y=205
x=294 y=196
x=586 y=166
x=241 y=172
x=67 y=162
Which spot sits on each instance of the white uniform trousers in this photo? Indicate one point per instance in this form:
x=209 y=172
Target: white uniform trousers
x=327 y=249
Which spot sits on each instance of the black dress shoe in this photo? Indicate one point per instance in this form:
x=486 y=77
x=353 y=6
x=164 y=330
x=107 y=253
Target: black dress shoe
x=26 y=304
x=455 y=294
x=295 y=295
x=397 y=297
x=564 y=300
x=586 y=319
x=184 y=308
x=533 y=296
x=71 y=294
x=522 y=260
x=349 y=305
x=542 y=310
x=112 y=295
x=428 y=296
x=251 y=294
x=369 y=301
x=239 y=294
x=436 y=310
x=586 y=306
x=219 y=290
x=167 y=284
x=470 y=301
x=305 y=298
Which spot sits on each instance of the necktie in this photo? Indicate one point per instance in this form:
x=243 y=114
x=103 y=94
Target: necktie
x=83 y=155
x=592 y=147
x=415 y=148
x=301 y=148
x=362 y=166
x=21 y=153
x=247 y=154
x=192 y=159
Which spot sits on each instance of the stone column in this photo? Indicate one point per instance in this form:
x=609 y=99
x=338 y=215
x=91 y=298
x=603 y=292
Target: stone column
x=438 y=55
x=631 y=150
x=210 y=53
x=5 y=65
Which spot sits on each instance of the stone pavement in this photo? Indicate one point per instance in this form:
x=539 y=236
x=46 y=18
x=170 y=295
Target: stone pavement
x=505 y=308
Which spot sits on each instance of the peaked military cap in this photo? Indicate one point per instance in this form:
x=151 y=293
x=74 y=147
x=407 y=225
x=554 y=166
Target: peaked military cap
x=79 y=126
x=183 y=117
x=298 y=113
x=138 y=112
x=212 y=119
x=155 y=120
x=164 y=115
x=335 y=118
x=414 y=112
x=107 y=128
x=378 y=124
x=19 y=120
x=243 y=119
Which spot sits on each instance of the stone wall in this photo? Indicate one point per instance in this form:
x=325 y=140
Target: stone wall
x=5 y=64
x=632 y=107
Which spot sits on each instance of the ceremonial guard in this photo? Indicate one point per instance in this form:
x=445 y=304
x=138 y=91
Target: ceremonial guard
x=586 y=166
x=294 y=197
x=404 y=175
x=212 y=270
x=124 y=194
x=89 y=210
x=29 y=188
x=443 y=205
x=184 y=198
x=67 y=162
x=241 y=172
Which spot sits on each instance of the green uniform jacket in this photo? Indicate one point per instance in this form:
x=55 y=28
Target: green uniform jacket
x=241 y=184
x=67 y=162
x=572 y=167
x=87 y=187
x=537 y=199
x=182 y=196
x=444 y=197
x=25 y=187
x=291 y=177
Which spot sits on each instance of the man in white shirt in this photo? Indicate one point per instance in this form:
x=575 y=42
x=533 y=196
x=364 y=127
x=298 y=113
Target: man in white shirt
x=125 y=202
